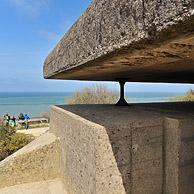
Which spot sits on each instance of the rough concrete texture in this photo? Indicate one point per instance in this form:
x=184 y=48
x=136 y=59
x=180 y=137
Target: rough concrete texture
x=38 y=161
x=142 y=149
x=138 y=40
x=44 y=187
x=186 y=157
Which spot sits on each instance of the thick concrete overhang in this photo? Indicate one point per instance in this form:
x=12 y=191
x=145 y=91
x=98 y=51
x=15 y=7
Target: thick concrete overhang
x=140 y=41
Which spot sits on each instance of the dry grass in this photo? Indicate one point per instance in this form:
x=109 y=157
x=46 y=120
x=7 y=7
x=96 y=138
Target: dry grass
x=188 y=97
x=98 y=94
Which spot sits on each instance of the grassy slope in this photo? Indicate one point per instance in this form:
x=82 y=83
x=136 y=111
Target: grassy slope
x=189 y=96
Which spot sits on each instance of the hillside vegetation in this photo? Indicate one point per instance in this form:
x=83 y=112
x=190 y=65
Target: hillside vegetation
x=10 y=141
x=188 y=97
x=98 y=94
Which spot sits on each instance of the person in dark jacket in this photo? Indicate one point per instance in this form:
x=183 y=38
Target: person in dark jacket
x=6 y=119
x=21 y=116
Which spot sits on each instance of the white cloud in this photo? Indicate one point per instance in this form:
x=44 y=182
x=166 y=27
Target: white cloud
x=31 y=7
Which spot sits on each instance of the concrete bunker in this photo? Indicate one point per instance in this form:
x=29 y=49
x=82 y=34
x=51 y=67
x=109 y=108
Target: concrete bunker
x=144 y=149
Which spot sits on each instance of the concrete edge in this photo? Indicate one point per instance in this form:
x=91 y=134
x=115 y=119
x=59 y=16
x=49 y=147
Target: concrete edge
x=76 y=117
x=45 y=139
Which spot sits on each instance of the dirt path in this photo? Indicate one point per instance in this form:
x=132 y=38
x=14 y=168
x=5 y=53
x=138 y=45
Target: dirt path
x=45 y=187
x=36 y=132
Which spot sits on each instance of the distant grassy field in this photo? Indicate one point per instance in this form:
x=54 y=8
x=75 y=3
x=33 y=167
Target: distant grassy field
x=188 y=97
x=98 y=94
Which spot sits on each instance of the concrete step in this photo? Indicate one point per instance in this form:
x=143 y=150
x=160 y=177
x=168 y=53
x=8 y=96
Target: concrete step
x=54 y=186
x=38 y=161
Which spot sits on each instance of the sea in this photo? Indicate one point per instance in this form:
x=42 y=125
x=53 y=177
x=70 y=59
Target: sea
x=36 y=104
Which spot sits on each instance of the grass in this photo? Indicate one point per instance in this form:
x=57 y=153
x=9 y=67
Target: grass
x=98 y=94
x=188 y=97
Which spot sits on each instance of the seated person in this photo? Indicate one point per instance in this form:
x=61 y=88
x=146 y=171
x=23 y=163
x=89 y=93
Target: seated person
x=12 y=122
x=21 y=117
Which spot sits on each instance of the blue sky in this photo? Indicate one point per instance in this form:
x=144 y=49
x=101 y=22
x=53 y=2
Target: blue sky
x=29 y=30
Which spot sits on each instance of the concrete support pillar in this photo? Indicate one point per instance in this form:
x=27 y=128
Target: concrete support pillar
x=122 y=101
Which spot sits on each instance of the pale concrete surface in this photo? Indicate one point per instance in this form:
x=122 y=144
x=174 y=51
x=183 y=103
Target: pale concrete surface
x=104 y=149
x=38 y=161
x=150 y=41
x=36 y=132
x=43 y=187
x=42 y=141
x=98 y=139
x=140 y=149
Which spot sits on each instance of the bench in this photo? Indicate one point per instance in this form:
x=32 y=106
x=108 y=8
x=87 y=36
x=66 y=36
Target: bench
x=34 y=121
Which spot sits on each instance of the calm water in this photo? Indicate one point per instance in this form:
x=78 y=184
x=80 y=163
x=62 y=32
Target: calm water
x=32 y=103
x=37 y=103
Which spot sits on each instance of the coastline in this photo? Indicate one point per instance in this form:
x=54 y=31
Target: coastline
x=37 y=103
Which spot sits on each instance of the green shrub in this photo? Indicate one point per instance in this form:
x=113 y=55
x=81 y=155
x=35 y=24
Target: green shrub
x=98 y=94
x=6 y=132
x=18 y=141
x=10 y=141
x=188 y=97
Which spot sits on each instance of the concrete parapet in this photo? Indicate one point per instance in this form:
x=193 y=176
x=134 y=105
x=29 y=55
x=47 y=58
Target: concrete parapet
x=121 y=150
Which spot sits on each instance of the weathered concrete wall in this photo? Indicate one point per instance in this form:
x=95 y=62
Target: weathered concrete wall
x=38 y=161
x=77 y=138
x=179 y=156
x=186 y=156
x=172 y=141
x=101 y=157
x=113 y=150
x=147 y=158
x=136 y=40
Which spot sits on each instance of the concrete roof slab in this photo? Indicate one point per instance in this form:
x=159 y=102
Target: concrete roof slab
x=140 y=41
